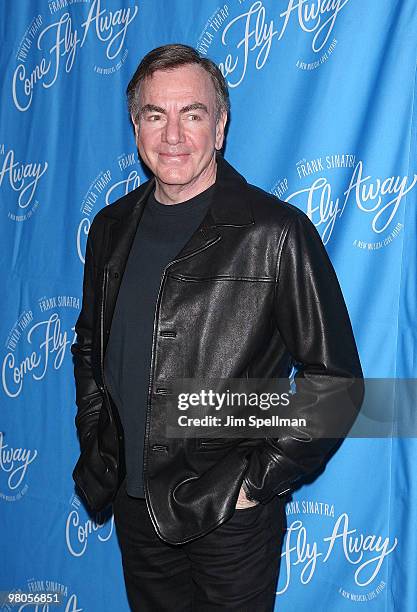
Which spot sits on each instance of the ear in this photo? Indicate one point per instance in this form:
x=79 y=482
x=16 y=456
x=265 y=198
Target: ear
x=220 y=127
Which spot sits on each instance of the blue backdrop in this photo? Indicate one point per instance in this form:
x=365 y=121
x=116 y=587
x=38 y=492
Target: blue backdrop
x=323 y=116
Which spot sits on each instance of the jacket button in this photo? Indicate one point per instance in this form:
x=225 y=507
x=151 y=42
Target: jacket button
x=116 y=275
x=168 y=333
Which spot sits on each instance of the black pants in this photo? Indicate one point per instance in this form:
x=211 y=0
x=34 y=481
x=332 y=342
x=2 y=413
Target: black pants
x=234 y=567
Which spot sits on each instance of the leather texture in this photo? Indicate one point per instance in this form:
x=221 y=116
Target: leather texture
x=252 y=293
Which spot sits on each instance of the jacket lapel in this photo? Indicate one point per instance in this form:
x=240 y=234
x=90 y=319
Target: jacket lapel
x=123 y=231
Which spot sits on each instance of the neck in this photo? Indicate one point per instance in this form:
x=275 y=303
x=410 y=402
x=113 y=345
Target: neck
x=174 y=194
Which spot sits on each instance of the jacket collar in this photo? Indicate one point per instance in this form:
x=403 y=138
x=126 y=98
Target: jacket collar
x=230 y=205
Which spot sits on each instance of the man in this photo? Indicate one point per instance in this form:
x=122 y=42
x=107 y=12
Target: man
x=198 y=274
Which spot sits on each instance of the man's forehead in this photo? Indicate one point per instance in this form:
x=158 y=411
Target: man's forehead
x=189 y=81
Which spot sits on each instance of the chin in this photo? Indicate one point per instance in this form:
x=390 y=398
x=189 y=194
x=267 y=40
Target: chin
x=173 y=177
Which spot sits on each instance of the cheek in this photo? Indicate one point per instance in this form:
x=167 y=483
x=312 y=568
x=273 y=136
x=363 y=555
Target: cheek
x=147 y=141
x=202 y=140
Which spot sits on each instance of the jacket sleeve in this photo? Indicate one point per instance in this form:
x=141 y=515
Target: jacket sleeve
x=88 y=396
x=314 y=324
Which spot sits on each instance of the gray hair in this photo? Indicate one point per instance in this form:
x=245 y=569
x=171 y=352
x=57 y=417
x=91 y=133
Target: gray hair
x=172 y=56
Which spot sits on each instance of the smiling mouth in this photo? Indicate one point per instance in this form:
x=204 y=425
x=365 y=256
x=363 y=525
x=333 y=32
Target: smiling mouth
x=173 y=156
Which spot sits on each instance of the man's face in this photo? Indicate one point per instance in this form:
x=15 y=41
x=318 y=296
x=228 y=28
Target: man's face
x=176 y=131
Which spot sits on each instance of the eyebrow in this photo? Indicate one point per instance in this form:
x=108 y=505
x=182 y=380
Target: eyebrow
x=152 y=108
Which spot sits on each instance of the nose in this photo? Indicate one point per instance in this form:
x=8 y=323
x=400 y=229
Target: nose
x=173 y=132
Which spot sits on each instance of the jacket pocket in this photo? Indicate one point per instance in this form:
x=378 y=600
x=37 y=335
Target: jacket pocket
x=216 y=443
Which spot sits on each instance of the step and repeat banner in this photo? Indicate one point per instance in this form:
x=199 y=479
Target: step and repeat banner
x=322 y=97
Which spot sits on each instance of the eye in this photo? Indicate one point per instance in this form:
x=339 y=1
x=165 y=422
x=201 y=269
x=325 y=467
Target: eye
x=153 y=117
x=194 y=117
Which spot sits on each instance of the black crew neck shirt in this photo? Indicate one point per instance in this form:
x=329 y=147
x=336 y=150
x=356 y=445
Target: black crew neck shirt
x=162 y=232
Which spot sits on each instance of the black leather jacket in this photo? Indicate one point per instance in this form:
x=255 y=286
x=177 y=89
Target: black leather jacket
x=252 y=292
